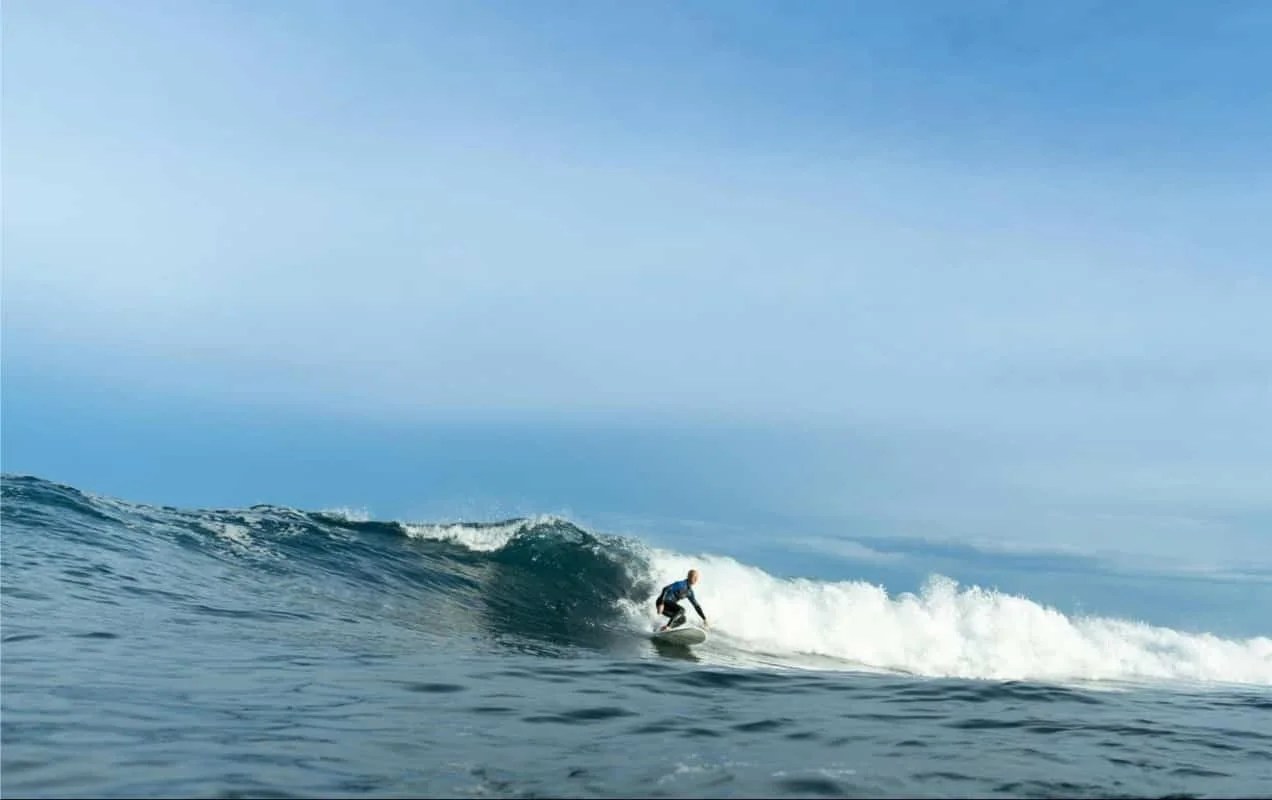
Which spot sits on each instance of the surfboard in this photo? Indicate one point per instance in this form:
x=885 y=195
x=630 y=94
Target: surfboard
x=685 y=634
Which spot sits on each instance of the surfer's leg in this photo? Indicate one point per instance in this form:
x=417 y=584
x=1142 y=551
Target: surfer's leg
x=676 y=615
x=672 y=611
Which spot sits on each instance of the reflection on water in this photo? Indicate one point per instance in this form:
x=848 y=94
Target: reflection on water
x=678 y=651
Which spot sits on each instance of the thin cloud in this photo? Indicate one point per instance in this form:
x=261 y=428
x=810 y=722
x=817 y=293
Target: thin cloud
x=1004 y=293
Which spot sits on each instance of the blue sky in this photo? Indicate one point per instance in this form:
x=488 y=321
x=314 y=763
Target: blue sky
x=992 y=272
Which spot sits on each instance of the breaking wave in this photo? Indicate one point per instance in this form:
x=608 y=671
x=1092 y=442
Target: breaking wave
x=550 y=583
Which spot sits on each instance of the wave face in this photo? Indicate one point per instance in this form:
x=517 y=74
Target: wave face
x=546 y=583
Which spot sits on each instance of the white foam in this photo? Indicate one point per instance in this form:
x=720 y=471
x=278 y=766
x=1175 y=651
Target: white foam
x=943 y=631
x=238 y=534
x=484 y=539
x=240 y=539
x=948 y=631
x=348 y=514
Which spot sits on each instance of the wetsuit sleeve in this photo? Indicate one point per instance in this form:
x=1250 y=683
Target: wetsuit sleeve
x=696 y=607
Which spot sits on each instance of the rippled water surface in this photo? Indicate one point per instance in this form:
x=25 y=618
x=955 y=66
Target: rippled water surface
x=156 y=652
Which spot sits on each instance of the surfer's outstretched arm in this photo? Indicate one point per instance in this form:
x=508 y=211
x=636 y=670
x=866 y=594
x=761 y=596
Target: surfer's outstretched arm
x=697 y=607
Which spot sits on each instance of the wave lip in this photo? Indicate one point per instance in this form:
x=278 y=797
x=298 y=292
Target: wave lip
x=483 y=538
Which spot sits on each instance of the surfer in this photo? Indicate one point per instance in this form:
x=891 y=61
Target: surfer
x=668 y=601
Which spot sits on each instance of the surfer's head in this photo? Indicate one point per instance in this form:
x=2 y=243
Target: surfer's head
x=693 y=577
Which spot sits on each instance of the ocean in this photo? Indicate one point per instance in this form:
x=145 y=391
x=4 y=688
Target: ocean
x=272 y=652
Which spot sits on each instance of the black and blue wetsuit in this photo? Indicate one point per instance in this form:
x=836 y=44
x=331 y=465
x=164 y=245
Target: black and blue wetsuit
x=670 y=596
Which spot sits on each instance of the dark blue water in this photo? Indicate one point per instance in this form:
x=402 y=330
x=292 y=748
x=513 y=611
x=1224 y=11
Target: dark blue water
x=155 y=651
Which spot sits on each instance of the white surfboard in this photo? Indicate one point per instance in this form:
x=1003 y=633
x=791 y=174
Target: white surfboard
x=686 y=634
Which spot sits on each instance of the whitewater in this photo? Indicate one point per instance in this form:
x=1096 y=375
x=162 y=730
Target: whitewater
x=942 y=631
x=269 y=651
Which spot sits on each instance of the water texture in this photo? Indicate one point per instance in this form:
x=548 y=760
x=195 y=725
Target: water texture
x=269 y=652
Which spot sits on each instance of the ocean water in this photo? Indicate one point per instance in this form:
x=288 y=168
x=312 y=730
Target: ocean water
x=272 y=652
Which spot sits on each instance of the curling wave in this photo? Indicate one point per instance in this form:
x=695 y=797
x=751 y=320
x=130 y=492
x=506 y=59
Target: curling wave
x=549 y=582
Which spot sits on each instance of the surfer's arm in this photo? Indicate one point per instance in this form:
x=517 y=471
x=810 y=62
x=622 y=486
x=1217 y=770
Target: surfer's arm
x=697 y=607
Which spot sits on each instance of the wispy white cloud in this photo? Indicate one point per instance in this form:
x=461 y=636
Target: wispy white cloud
x=414 y=217
x=847 y=549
